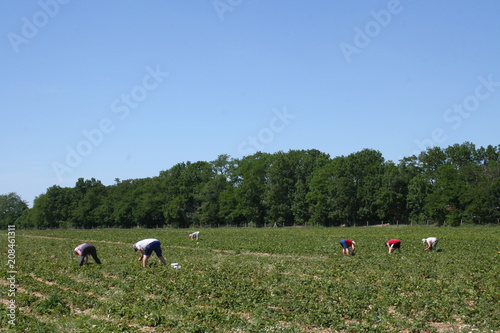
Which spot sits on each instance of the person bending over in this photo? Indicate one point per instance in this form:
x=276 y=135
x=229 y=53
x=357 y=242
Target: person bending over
x=430 y=243
x=393 y=244
x=194 y=236
x=347 y=246
x=147 y=246
x=84 y=250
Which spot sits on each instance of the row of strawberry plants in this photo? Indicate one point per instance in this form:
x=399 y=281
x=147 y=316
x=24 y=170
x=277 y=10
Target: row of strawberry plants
x=252 y=291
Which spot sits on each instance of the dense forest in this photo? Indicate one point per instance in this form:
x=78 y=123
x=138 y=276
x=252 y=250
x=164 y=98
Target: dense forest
x=447 y=186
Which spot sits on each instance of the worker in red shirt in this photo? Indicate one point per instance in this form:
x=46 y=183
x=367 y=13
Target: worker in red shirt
x=347 y=246
x=393 y=244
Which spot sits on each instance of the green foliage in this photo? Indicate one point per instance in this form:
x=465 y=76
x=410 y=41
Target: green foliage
x=53 y=305
x=11 y=209
x=456 y=185
x=260 y=280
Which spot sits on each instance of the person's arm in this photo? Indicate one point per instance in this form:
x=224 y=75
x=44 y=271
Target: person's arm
x=428 y=245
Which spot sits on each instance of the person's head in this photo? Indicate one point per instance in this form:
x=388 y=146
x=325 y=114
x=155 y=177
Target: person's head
x=135 y=248
x=424 y=240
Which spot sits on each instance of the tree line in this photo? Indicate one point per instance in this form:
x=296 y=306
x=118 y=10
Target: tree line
x=446 y=186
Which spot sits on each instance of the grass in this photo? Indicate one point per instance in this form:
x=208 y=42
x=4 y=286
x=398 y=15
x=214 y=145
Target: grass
x=258 y=280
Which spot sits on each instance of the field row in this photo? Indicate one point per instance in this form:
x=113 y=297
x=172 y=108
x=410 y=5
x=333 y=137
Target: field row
x=257 y=280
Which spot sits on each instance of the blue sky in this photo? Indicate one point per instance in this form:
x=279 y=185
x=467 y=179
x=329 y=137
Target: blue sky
x=126 y=89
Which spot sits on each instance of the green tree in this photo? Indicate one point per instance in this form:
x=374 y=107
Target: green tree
x=183 y=186
x=211 y=194
x=41 y=214
x=54 y=208
x=391 y=196
x=176 y=200
x=483 y=196
x=445 y=185
x=121 y=199
x=90 y=196
x=148 y=203
x=26 y=220
x=305 y=163
x=418 y=189
x=222 y=187
x=365 y=168
x=279 y=189
x=444 y=203
x=11 y=208
x=249 y=181
x=332 y=195
x=461 y=155
x=209 y=198
x=230 y=212
x=431 y=159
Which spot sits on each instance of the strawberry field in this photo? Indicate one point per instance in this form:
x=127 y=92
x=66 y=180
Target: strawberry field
x=255 y=280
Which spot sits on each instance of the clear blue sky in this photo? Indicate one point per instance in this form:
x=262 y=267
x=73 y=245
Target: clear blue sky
x=126 y=89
